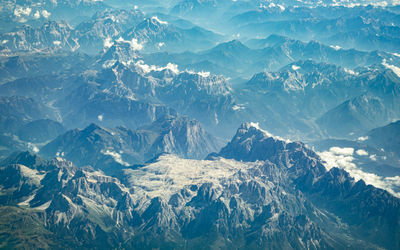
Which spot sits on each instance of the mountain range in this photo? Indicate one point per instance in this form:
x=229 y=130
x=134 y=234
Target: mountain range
x=258 y=191
x=199 y=124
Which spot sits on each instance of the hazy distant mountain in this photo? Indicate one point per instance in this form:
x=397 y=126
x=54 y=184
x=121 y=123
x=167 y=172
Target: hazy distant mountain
x=386 y=137
x=234 y=59
x=158 y=35
x=51 y=36
x=357 y=32
x=29 y=65
x=16 y=111
x=104 y=27
x=40 y=131
x=112 y=148
x=354 y=117
x=305 y=90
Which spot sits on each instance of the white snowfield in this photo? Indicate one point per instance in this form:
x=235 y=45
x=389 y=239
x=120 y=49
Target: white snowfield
x=170 y=174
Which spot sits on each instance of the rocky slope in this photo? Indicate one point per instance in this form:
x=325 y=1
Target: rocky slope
x=272 y=194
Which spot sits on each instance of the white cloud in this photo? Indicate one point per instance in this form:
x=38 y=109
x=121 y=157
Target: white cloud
x=148 y=68
x=117 y=157
x=19 y=11
x=362 y=138
x=100 y=117
x=33 y=147
x=343 y=158
x=36 y=15
x=361 y=152
x=46 y=14
x=134 y=44
x=342 y=151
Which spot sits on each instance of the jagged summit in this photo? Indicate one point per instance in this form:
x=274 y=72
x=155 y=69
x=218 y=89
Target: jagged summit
x=251 y=143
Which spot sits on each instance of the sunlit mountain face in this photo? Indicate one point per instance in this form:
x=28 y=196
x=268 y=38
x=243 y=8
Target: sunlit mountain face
x=199 y=124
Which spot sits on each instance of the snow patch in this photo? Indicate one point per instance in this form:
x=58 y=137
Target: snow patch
x=335 y=47
x=349 y=71
x=268 y=134
x=395 y=69
x=108 y=42
x=238 y=107
x=295 y=67
x=396 y=54
x=170 y=174
x=33 y=148
x=203 y=74
x=160 y=45
x=155 y=18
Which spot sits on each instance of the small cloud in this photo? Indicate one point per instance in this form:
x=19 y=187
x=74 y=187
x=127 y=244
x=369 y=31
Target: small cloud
x=20 y=11
x=36 y=15
x=148 y=68
x=135 y=45
x=100 y=117
x=46 y=14
x=361 y=152
x=362 y=138
x=343 y=158
x=116 y=156
x=161 y=44
x=342 y=151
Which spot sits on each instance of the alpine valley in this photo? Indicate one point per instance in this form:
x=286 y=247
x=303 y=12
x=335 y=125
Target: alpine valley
x=199 y=124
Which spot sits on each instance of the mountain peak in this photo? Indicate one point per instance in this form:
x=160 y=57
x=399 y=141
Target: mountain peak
x=251 y=143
